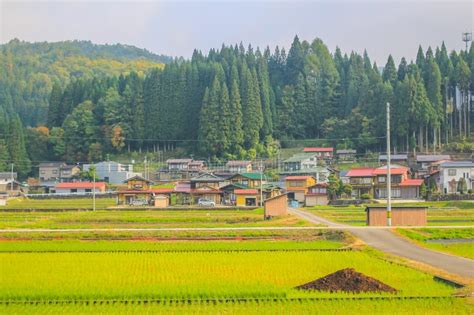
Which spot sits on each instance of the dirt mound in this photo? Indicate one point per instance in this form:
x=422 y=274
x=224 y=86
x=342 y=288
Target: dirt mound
x=347 y=280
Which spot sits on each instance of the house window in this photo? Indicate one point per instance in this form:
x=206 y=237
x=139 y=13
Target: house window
x=74 y=190
x=88 y=190
x=381 y=179
x=452 y=172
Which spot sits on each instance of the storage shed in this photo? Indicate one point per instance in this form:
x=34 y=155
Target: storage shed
x=401 y=216
x=276 y=206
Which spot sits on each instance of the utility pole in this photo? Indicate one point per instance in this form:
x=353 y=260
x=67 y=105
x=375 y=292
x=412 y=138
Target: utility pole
x=466 y=38
x=93 y=190
x=146 y=174
x=12 y=179
x=389 y=175
x=261 y=183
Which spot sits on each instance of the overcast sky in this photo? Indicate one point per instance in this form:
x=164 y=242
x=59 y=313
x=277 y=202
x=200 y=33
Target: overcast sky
x=175 y=28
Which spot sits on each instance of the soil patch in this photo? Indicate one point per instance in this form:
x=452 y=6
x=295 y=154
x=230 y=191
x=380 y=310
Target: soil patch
x=347 y=280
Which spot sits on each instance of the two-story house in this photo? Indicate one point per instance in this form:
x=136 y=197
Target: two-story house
x=56 y=172
x=112 y=172
x=425 y=162
x=239 y=166
x=317 y=195
x=300 y=161
x=402 y=186
x=346 y=155
x=139 y=191
x=325 y=153
x=450 y=173
x=297 y=187
x=177 y=165
x=362 y=181
x=248 y=180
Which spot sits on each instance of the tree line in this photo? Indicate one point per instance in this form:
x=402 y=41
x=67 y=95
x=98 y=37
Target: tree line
x=238 y=102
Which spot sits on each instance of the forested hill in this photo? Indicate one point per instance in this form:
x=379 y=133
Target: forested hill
x=29 y=70
x=238 y=102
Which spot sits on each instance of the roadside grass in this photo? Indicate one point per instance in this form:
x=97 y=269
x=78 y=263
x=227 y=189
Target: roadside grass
x=421 y=306
x=58 y=204
x=440 y=213
x=424 y=236
x=144 y=219
x=197 y=275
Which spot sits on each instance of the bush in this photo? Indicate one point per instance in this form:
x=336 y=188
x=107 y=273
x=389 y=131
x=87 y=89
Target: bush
x=366 y=196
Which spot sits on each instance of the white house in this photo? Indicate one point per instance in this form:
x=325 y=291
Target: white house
x=112 y=172
x=451 y=172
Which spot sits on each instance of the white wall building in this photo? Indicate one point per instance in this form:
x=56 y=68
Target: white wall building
x=451 y=172
x=112 y=172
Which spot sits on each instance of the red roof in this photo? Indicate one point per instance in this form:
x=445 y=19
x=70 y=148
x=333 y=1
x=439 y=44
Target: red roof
x=412 y=182
x=318 y=149
x=246 y=191
x=298 y=177
x=361 y=172
x=80 y=185
x=393 y=171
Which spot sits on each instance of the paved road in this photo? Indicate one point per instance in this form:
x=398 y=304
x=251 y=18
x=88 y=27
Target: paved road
x=387 y=241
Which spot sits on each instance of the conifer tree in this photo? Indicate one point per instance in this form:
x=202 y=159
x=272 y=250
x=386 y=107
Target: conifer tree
x=390 y=72
x=54 y=108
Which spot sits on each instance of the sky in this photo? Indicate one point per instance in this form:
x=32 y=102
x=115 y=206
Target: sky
x=176 y=28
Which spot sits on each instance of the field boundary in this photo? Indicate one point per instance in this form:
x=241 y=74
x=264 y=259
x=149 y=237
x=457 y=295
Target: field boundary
x=180 y=251
x=225 y=300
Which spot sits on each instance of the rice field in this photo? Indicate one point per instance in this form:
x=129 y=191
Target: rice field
x=219 y=274
x=58 y=204
x=456 y=241
x=143 y=219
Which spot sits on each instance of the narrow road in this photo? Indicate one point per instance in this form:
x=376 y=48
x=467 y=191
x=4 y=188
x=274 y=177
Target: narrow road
x=388 y=242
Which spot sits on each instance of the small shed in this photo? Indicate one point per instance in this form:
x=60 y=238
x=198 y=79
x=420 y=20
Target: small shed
x=401 y=216
x=276 y=206
x=246 y=197
x=161 y=201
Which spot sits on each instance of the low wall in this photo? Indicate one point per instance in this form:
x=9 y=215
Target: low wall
x=451 y=197
x=71 y=196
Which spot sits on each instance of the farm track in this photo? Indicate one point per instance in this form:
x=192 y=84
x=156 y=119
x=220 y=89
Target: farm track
x=338 y=227
x=182 y=251
x=222 y=300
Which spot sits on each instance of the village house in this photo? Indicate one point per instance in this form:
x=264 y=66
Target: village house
x=239 y=166
x=112 y=172
x=297 y=187
x=346 y=155
x=196 y=166
x=317 y=195
x=206 y=180
x=402 y=186
x=321 y=173
x=394 y=158
x=57 y=172
x=79 y=187
x=450 y=173
x=322 y=153
x=362 y=181
x=250 y=180
x=9 y=185
x=140 y=192
x=373 y=181
x=424 y=163
x=176 y=165
x=300 y=161
x=186 y=195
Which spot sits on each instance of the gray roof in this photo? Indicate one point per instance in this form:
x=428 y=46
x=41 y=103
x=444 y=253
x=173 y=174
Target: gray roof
x=300 y=157
x=207 y=177
x=343 y=173
x=345 y=151
x=432 y=158
x=238 y=163
x=394 y=156
x=8 y=175
x=173 y=161
x=457 y=164
x=51 y=164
